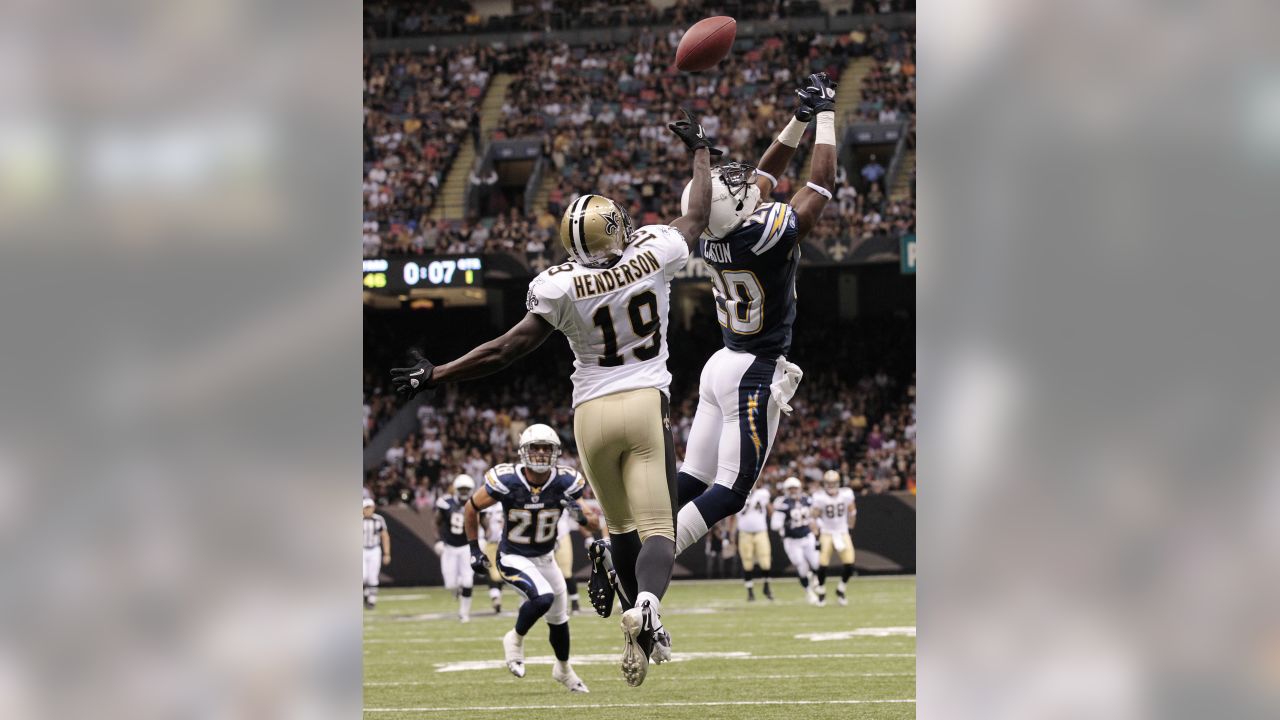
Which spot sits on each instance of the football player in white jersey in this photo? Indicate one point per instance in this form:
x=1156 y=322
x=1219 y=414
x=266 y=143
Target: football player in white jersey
x=610 y=302
x=752 y=247
x=753 y=541
x=835 y=511
x=491 y=532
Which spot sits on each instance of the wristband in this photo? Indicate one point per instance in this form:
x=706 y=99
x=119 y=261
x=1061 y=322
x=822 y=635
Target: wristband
x=772 y=179
x=791 y=134
x=819 y=189
x=825 y=129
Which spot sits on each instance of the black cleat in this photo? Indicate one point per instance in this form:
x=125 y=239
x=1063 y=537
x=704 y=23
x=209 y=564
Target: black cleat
x=600 y=588
x=751 y=595
x=768 y=593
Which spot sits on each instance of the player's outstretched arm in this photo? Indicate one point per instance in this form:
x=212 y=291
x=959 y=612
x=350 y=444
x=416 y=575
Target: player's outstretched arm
x=695 y=138
x=778 y=156
x=819 y=96
x=486 y=359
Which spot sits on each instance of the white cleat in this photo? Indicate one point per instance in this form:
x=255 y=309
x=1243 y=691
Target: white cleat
x=812 y=597
x=569 y=679
x=513 y=650
x=661 y=646
x=635 y=662
x=464 y=618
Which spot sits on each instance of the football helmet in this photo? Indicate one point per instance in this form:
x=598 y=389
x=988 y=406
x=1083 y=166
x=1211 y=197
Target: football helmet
x=463 y=485
x=831 y=480
x=734 y=196
x=539 y=447
x=790 y=484
x=595 y=230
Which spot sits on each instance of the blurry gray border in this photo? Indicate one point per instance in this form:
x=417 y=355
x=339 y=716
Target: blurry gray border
x=179 y=207
x=1098 y=246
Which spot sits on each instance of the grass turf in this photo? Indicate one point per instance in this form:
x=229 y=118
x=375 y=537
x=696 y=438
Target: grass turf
x=733 y=659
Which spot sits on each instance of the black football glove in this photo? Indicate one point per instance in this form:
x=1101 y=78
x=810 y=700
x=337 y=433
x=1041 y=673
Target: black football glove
x=410 y=381
x=578 y=513
x=818 y=94
x=479 y=561
x=692 y=134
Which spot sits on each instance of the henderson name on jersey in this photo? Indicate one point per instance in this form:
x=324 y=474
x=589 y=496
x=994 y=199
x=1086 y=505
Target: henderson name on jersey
x=754 y=280
x=615 y=318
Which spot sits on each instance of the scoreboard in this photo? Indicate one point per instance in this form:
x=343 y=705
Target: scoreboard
x=397 y=276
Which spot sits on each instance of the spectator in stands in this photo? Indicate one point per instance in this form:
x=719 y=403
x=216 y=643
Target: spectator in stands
x=873 y=172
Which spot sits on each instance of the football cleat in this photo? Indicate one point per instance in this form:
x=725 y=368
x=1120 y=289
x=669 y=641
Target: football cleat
x=600 y=588
x=513 y=651
x=768 y=593
x=812 y=598
x=577 y=608
x=751 y=595
x=569 y=679
x=661 y=651
x=840 y=598
x=637 y=641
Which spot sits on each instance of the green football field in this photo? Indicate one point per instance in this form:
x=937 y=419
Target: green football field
x=732 y=659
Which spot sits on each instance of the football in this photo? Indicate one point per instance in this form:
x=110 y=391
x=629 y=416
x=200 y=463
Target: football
x=706 y=43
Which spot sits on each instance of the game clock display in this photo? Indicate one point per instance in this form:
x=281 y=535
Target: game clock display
x=403 y=274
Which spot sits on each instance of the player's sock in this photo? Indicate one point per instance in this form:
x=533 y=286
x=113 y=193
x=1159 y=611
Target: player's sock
x=655 y=605
x=822 y=579
x=845 y=573
x=747 y=575
x=709 y=508
x=688 y=487
x=373 y=594
x=531 y=610
x=571 y=584
x=653 y=567
x=804 y=581
x=625 y=550
x=464 y=603
x=560 y=641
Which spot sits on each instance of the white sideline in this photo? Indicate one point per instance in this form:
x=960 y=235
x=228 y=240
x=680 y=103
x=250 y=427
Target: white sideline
x=607 y=659
x=686 y=678
x=710 y=703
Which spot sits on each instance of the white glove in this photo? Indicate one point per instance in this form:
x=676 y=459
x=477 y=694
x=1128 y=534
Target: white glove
x=438 y=548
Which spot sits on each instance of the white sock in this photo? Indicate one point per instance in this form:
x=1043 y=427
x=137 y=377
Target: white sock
x=562 y=667
x=654 y=604
x=749 y=583
x=690 y=527
x=841 y=586
x=494 y=593
x=465 y=606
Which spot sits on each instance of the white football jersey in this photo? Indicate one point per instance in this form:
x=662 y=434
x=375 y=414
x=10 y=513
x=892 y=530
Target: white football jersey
x=615 y=318
x=831 y=511
x=491 y=521
x=754 y=516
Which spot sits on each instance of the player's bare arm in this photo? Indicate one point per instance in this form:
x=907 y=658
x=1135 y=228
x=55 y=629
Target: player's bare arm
x=694 y=221
x=853 y=517
x=386 y=546
x=778 y=156
x=818 y=96
x=486 y=359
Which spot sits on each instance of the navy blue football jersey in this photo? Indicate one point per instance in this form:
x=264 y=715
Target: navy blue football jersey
x=795 y=513
x=754 y=281
x=451 y=514
x=532 y=514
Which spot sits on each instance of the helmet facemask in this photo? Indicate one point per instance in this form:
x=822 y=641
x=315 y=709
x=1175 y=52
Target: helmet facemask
x=734 y=196
x=539 y=456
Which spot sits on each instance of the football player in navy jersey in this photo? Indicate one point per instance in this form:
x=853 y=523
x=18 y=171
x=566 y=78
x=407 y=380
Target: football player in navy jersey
x=753 y=250
x=455 y=560
x=533 y=493
x=793 y=519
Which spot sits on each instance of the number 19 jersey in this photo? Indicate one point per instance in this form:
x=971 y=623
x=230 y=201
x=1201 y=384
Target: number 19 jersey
x=615 y=318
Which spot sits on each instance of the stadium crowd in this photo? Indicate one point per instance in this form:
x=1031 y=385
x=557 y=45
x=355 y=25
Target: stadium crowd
x=405 y=18
x=861 y=424
x=601 y=112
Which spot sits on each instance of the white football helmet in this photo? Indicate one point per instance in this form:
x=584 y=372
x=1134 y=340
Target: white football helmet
x=831 y=480
x=791 y=483
x=463 y=485
x=734 y=196
x=535 y=458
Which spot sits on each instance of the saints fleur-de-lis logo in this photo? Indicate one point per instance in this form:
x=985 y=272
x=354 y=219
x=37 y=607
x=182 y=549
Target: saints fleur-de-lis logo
x=611 y=223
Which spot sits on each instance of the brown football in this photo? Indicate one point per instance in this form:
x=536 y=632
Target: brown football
x=706 y=43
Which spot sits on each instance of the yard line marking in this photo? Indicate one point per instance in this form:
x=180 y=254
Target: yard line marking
x=909 y=631
x=710 y=703
x=611 y=658
x=677 y=678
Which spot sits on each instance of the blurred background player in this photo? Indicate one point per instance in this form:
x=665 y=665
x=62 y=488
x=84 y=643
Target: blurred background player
x=835 y=512
x=753 y=251
x=455 y=559
x=791 y=518
x=575 y=519
x=533 y=493
x=491 y=522
x=611 y=303
x=752 y=524
x=377 y=552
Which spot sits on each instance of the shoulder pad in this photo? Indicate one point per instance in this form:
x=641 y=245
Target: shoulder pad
x=779 y=220
x=495 y=481
x=443 y=503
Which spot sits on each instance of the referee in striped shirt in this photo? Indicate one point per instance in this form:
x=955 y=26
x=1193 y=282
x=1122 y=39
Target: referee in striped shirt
x=377 y=552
